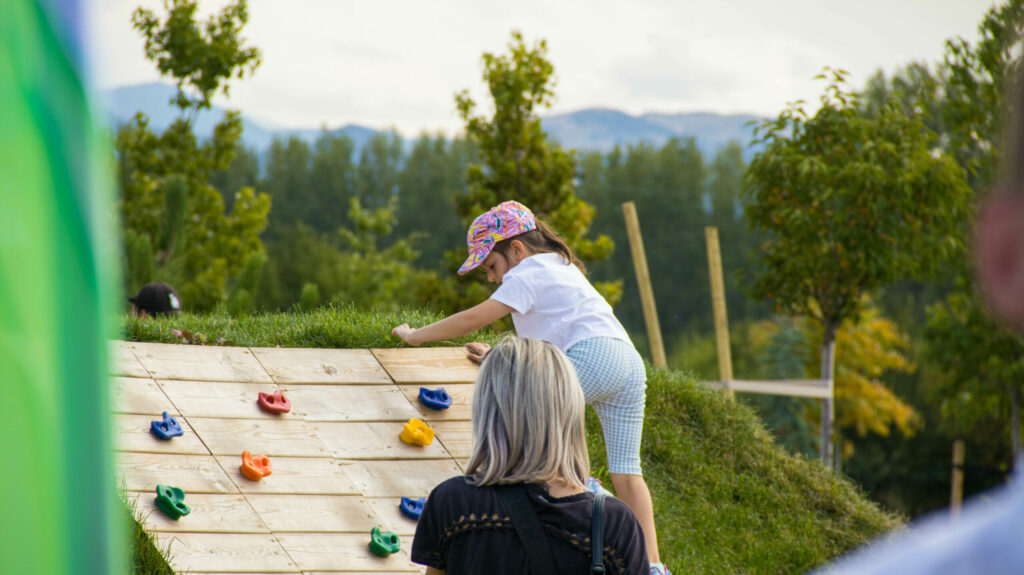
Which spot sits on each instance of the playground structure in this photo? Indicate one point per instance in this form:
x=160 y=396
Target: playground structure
x=340 y=469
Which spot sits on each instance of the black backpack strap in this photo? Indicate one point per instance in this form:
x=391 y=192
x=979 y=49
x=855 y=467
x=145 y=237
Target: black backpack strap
x=597 y=537
x=528 y=529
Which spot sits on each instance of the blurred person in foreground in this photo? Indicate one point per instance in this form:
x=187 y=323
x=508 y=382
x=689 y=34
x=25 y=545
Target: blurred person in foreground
x=988 y=537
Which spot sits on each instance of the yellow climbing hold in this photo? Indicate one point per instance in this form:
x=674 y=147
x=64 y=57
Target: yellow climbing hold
x=416 y=432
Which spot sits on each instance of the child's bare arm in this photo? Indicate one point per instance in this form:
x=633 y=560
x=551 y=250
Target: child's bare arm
x=457 y=325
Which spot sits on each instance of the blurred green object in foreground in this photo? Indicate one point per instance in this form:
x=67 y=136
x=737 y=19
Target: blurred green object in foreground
x=57 y=489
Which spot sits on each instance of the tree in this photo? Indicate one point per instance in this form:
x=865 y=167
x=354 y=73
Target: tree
x=166 y=197
x=518 y=161
x=848 y=202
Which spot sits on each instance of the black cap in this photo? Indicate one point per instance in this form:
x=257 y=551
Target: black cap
x=157 y=299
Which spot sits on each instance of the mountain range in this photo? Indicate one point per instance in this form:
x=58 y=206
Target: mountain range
x=598 y=129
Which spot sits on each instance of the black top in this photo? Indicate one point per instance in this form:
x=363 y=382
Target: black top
x=465 y=530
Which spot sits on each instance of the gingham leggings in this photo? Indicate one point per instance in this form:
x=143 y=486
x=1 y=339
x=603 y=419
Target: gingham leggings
x=614 y=383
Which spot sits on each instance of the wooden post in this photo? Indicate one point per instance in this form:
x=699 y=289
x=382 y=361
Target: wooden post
x=956 y=489
x=643 y=280
x=718 y=306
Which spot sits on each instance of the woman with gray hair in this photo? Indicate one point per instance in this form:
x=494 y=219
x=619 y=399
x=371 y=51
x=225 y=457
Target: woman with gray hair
x=528 y=437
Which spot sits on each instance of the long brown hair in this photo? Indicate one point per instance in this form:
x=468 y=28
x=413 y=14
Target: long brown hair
x=542 y=240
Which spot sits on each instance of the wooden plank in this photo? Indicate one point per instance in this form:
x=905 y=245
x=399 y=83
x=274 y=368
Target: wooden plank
x=427 y=365
x=331 y=551
x=293 y=365
x=457 y=437
x=219 y=552
x=373 y=440
x=301 y=475
x=193 y=473
x=221 y=399
x=387 y=509
x=643 y=279
x=315 y=513
x=200 y=362
x=791 y=388
x=400 y=478
x=131 y=433
x=270 y=437
x=462 y=402
x=210 y=513
x=140 y=396
x=350 y=402
x=124 y=362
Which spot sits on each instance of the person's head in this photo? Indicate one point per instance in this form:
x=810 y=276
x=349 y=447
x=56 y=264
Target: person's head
x=528 y=411
x=156 y=299
x=999 y=233
x=503 y=236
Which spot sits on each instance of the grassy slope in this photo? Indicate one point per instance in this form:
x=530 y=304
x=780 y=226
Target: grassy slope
x=727 y=500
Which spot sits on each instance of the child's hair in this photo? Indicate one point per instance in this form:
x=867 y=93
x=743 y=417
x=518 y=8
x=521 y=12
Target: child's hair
x=542 y=240
x=528 y=413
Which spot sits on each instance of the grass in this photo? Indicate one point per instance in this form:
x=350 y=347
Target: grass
x=146 y=558
x=727 y=499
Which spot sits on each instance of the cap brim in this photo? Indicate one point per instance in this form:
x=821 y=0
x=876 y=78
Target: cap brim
x=469 y=265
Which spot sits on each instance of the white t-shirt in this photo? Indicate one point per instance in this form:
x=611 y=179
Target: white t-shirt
x=553 y=301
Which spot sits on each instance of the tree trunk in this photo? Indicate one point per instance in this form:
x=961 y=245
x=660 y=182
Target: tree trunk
x=828 y=355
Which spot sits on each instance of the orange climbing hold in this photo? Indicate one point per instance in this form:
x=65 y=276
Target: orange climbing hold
x=416 y=433
x=255 y=467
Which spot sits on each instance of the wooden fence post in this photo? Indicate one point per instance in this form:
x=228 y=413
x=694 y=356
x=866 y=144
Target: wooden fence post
x=956 y=490
x=718 y=306
x=643 y=280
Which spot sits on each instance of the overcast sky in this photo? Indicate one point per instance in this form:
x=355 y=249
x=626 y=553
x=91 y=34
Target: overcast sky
x=390 y=63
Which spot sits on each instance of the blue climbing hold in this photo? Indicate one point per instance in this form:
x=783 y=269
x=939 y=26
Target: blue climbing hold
x=435 y=398
x=167 y=428
x=412 y=508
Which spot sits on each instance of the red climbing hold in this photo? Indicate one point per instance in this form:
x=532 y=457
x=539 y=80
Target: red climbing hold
x=276 y=403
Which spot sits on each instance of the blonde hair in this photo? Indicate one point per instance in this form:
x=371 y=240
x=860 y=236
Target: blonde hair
x=528 y=411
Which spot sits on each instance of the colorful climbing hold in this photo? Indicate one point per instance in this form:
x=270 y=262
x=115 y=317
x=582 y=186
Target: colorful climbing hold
x=412 y=508
x=255 y=467
x=274 y=403
x=167 y=428
x=171 y=500
x=435 y=398
x=383 y=544
x=416 y=433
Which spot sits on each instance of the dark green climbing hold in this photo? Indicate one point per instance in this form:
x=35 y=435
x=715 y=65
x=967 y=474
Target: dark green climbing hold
x=171 y=500
x=383 y=544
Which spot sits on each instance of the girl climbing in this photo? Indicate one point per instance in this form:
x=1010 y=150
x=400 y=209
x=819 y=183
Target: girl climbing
x=541 y=283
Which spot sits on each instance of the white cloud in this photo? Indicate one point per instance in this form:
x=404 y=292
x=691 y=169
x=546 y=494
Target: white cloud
x=400 y=62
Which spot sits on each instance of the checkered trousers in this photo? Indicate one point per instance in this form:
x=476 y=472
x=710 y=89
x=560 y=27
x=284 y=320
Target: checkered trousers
x=614 y=382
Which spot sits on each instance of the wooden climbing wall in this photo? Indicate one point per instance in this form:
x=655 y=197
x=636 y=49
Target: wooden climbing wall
x=339 y=468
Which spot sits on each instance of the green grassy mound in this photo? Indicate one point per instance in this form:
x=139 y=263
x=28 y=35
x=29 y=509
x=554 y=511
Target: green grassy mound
x=727 y=499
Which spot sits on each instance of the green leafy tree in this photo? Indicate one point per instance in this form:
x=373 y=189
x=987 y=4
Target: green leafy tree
x=518 y=162
x=848 y=202
x=166 y=197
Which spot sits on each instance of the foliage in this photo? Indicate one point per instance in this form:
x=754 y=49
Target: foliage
x=981 y=362
x=166 y=198
x=677 y=192
x=868 y=347
x=849 y=202
x=201 y=59
x=518 y=161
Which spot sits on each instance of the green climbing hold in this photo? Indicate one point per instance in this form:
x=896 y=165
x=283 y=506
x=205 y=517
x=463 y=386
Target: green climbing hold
x=171 y=500
x=383 y=544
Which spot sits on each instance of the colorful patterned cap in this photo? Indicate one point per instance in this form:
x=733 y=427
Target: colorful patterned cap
x=506 y=220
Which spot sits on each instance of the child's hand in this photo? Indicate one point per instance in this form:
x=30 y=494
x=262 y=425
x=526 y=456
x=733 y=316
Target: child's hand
x=406 y=333
x=477 y=351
